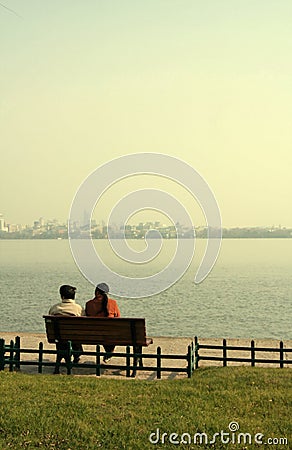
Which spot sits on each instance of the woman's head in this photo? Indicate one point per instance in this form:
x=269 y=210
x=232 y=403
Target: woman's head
x=101 y=290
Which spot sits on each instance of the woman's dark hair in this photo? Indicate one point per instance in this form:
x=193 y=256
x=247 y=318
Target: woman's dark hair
x=67 y=292
x=104 y=301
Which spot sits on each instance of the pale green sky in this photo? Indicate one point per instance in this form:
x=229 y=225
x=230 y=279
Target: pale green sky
x=209 y=81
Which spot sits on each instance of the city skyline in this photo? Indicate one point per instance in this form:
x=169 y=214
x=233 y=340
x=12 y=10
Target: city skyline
x=104 y=222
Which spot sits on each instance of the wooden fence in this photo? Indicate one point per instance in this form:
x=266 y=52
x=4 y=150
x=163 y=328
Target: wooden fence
x=10 y=355
x=252 y=350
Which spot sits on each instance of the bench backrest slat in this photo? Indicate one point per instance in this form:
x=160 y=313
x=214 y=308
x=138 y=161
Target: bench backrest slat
x=96 y=330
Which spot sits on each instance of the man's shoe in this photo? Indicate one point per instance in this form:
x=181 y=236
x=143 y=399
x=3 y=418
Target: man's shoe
x=106 y=359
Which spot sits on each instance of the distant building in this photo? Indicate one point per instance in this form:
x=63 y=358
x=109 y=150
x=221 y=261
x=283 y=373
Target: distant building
x=13 y=228
x=41 y=222
x=3 y=226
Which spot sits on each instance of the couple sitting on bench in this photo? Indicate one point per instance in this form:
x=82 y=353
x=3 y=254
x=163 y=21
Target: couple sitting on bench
x=99 y=306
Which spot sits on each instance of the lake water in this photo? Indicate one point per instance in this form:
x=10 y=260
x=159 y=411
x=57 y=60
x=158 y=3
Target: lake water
x=247 y=294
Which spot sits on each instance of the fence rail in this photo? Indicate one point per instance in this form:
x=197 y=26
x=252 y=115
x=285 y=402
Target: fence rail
x=10 y=355
x=252 y=349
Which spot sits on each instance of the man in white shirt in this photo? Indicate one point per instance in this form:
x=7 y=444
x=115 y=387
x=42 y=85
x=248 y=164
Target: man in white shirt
x=67 y=307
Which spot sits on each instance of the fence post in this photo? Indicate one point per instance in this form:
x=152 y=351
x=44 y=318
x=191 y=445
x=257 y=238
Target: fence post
x=68 y=357
x=252 y=353
x=189 y=359
x=97 y=361
x=128 y=361
x=197 y=357
x=158 y=364
x=281 y=354
x=17 y=352
x=224 y=353
x=2 y=354
x=40 y=363
x=11 y=361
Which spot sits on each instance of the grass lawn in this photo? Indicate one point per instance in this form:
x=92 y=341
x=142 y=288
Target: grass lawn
x=79 y=412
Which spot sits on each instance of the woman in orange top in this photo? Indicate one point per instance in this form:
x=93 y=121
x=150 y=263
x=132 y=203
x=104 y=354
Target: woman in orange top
x=102 y=306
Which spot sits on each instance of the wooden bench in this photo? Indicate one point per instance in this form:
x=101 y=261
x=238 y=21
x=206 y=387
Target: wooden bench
x=97 y=331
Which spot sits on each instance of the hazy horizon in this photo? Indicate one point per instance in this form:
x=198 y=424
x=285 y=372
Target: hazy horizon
x=147 y=219
x=206 y=82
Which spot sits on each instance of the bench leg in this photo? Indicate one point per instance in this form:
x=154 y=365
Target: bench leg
x=136 y=360
x=60 y=348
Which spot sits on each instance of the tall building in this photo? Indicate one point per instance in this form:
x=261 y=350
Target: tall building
x=2 y=224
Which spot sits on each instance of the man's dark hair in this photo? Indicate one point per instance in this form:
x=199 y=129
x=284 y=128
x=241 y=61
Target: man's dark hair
x=67 y=292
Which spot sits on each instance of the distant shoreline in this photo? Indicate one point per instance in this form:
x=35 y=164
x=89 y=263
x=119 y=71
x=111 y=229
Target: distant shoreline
x=167 y=233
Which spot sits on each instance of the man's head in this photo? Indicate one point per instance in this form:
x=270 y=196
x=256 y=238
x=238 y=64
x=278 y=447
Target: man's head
x=67 y=292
